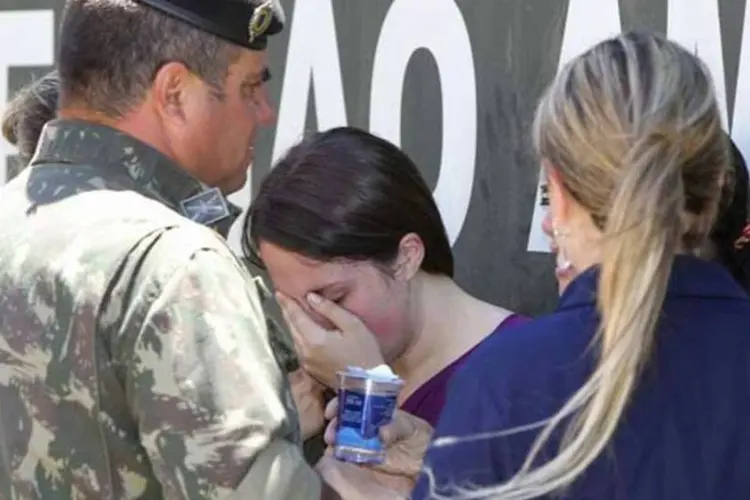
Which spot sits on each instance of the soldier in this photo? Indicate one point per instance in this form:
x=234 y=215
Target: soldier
x=134 y=354
x=23 y=120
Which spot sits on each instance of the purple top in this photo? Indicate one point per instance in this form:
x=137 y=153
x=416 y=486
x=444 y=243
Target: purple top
x=427 y=401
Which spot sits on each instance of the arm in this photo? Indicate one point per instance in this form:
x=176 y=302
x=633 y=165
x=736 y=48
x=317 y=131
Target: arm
x=213 y=409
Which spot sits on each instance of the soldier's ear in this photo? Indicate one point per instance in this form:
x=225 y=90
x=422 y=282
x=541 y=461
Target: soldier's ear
x=170 y=89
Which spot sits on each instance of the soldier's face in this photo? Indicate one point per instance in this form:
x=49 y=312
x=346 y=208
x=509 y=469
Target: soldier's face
x=223 y=125
x=362 y=288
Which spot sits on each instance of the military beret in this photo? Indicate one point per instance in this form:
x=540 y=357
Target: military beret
x=247 y=23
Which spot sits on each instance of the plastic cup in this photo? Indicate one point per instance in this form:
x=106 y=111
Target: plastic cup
x=366 y=403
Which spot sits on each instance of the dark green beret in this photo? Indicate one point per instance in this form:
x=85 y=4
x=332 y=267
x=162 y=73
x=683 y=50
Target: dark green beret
x=247 y=23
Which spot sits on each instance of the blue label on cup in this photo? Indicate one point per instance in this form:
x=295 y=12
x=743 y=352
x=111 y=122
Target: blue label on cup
x=361 y=416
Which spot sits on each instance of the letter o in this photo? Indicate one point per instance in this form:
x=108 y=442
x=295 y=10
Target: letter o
x=439 y=27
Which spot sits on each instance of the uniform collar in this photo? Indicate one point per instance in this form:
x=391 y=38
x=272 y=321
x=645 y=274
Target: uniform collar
x=150 y=172
x=690 y=277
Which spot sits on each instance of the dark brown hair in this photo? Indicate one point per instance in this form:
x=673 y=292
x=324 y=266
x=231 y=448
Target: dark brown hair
x=731 y=221
x=346 y=193
x=28 y=111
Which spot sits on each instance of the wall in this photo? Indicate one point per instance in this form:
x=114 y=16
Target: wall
x=454 y=83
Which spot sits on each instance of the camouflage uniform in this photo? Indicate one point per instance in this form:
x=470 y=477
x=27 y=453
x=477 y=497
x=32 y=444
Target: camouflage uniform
x=281 y=338
x=134 y=354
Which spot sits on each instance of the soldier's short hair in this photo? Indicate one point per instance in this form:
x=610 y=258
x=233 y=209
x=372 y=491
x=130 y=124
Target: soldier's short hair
x=111 y=50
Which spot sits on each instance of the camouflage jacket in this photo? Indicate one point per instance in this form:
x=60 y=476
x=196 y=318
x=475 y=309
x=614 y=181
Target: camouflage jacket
x=281 y=338
x=134 y=353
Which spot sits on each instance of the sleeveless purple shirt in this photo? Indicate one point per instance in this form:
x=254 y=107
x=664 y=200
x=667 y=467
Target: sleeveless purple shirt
x=428 y=400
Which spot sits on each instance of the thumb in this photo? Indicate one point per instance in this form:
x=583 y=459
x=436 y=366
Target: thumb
x=402 y=427
x=332 y=408
x=329 y=435
x=340 y=317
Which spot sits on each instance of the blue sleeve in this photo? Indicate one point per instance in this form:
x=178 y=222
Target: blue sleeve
x=472 y=409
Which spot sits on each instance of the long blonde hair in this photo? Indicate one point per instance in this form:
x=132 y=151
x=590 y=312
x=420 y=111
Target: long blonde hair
x=633 y=128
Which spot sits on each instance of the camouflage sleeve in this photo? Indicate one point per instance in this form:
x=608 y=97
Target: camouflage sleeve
x=214 y=410
x=281 y=339
x=283 y=345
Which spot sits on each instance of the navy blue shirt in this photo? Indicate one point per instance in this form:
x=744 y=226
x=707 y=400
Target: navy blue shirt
x=686 y=432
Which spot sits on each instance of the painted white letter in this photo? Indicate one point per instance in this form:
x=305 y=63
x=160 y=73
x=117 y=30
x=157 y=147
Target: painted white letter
x=695 y=25
x=741 y=115
x=310 y=63
x=588 y=22
x=441 y=30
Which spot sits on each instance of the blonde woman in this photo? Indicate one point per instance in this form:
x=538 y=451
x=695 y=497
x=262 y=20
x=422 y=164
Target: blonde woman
x=638 y=386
